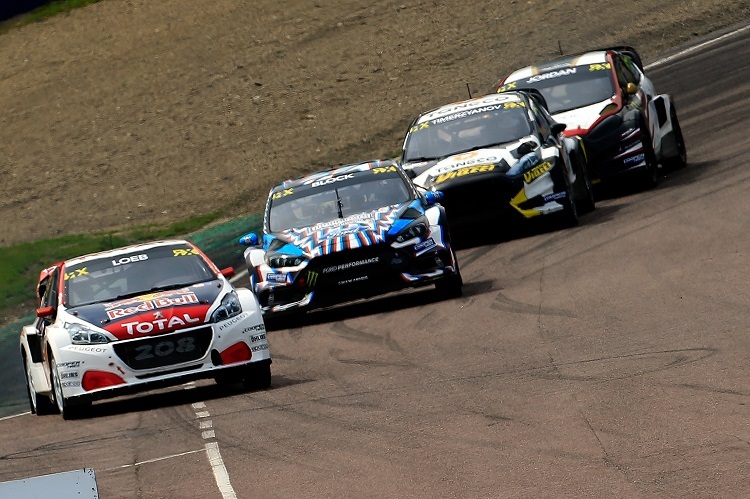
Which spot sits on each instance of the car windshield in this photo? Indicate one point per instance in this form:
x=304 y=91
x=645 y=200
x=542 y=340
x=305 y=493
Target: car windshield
x=573 y=88
x=132 y=274
x=466 y=131
x=362 y=193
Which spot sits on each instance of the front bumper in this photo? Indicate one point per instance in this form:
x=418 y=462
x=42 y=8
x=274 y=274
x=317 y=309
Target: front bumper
x=331 y=279
x=92 y=372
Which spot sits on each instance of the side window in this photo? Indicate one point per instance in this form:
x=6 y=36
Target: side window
x=49 y=299
x=541 y=122
x=631 y=66
x=624 y=74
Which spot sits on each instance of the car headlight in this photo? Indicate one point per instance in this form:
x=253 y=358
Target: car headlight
x=411 y=231
x=81 y=335
x=230 y=306
x=279 y=261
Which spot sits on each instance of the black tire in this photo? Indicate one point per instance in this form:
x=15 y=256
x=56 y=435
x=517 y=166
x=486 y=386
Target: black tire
x=650 y=173
x=450 y=286
x=66 y=409
x=569 y=215
x=587 y=202
x=257 y=376
x=680 y=160
x=41 y=405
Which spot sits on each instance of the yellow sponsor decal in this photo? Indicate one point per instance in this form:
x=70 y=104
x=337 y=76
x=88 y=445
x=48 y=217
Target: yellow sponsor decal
x=520 y=198
x=514 y=105
x=537 y=172
x=600 y=67
x=281 y=194
x=508 y=86
x=76 y=273
x=185 y=252
x=469 y=170
x=383 y=169
x=419 y=127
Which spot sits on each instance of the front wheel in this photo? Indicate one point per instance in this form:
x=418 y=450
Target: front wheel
x=587 y=202
x=679 y=160
x=450 y=286
x=257 y=376
x=650 y=173
x=67 y=409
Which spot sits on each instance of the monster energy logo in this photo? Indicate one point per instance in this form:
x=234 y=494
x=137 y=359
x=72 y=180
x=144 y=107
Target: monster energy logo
x=312 y=278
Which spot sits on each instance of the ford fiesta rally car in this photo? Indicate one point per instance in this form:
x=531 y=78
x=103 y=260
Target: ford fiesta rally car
x=349 y=232
x=605 y=98
x=501 y=157
x=136 y=318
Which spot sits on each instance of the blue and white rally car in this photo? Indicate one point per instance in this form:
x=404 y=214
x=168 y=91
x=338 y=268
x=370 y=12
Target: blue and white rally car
x=349 y=232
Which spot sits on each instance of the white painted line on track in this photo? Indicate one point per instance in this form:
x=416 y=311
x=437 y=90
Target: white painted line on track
x=220 y=471
x=15 y=416
x=208 y=434
x=694 y=48
x=202 y=414
x=199 y=405
x=204 y=425
x=156 y=459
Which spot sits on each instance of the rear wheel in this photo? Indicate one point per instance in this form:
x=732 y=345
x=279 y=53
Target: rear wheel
x=257 y=376
x=679 y=160
x=38 y=404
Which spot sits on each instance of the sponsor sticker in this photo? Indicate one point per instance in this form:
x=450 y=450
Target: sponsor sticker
x=555 y=196
x=276 y=278
x=257 y=327
x=233 y=320
x=68 y=384
x=129 y=259
x=537 y=172
x=461 y=172
x=424 y=245
x=349 y=265
x=68 y=374
x=257 y=348
x=155 y=304
x=353 y=280
x=160 y=324
x=633 y=160
x=257 y=337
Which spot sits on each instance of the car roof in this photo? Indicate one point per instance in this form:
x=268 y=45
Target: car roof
x=596 y=57
x=308 y=179
x=470 y=104
x=124 y=250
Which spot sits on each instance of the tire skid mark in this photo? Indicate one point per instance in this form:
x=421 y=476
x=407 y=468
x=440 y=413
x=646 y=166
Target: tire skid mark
x=505 y=304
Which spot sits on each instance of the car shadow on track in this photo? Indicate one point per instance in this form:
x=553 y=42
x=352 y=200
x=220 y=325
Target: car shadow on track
x=373 y=306
x=178 y=396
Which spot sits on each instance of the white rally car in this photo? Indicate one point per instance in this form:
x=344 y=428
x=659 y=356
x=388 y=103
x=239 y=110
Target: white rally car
x=136 y=318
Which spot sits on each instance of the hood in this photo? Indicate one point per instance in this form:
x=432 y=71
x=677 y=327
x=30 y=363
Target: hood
x=492 y=159
x=152 y=313
x=583 y=117
x=355 y=231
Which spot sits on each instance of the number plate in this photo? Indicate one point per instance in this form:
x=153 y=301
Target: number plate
x=166 y=350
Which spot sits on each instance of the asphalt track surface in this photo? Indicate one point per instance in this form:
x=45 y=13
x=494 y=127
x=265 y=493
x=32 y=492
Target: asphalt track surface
x=608 y=360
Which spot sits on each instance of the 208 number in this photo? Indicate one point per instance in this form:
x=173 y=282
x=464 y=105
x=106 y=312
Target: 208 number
x=165 y=348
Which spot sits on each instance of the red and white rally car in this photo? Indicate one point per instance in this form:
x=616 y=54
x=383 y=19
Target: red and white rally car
x=136 y=318
x=605 y=98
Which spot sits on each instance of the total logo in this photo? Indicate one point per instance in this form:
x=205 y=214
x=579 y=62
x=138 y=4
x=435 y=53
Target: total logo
x=159 y=324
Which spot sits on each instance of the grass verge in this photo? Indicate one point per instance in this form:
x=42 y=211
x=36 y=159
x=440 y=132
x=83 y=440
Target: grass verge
x=48 y=10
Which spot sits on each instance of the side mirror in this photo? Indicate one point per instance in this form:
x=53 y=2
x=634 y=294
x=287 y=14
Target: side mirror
x=631 y=89
x=227 y=272
x=250 y=239
x=45 y=312
x=558 y=128
x=432 y=197
x=526 y=148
